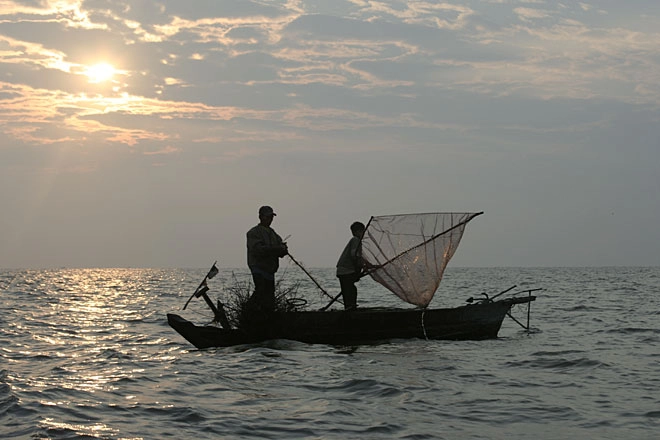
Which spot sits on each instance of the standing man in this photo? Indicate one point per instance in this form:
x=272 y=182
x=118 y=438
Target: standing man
x=264 y=247
x=349 y=266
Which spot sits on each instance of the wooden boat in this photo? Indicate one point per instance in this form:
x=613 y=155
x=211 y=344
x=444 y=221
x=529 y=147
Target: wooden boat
x=407 y=254
x=481 y=320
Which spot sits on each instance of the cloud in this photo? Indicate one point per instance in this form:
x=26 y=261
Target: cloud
x=163 y=152
x=528 y=14
x=291 y=46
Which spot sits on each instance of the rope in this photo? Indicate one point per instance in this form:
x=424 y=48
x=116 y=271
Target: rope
x=424 y=328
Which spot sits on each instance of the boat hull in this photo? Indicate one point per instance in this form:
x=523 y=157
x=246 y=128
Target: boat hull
x=367 y=325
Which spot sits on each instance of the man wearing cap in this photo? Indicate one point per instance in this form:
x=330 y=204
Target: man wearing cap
x=264 y=248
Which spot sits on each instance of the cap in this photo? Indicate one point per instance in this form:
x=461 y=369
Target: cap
x=266 y=210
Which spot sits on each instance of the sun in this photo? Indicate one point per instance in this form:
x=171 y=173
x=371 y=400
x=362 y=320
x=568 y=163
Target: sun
x=100 y=72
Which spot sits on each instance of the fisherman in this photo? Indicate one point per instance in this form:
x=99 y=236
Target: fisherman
x=264 y=247
x=350 y=265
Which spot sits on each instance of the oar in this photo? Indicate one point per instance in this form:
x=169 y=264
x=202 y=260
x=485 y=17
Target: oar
x=311 y=277
x=322 y=309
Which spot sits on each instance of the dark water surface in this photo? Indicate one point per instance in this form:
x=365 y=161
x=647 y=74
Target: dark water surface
x=89 y=354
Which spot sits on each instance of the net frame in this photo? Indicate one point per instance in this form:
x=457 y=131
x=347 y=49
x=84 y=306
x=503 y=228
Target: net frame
x=408 y=253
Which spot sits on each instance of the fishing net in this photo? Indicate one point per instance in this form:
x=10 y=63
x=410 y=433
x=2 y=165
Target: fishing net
x=412 y=251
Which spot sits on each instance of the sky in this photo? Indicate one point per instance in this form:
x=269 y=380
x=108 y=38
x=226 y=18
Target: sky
x=148 y=133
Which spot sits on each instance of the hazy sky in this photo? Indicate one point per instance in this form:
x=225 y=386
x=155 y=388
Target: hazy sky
x=148 y=133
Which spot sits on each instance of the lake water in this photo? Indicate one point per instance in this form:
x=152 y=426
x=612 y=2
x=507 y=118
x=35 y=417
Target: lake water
x=87 y=353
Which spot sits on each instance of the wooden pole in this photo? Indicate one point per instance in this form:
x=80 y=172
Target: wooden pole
x=330 y=303
x=311 y=277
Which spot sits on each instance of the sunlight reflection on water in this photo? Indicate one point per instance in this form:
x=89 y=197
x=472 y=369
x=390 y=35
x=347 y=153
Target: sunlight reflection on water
x=89 y=353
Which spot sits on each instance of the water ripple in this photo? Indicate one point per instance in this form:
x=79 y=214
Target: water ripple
x=92 y=356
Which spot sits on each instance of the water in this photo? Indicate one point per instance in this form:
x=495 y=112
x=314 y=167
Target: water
x=89 y=354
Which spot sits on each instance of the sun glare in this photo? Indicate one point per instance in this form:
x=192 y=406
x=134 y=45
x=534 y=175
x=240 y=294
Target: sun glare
x=100 y=72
